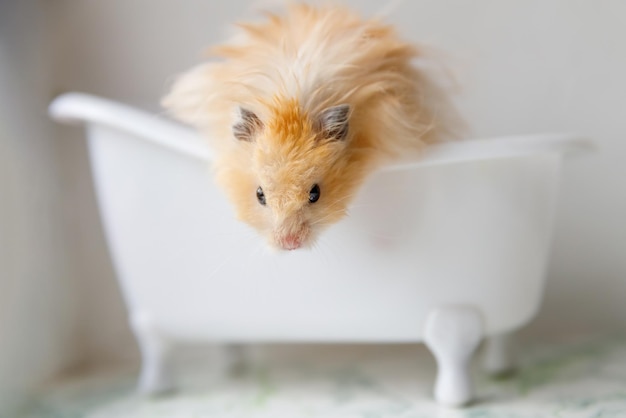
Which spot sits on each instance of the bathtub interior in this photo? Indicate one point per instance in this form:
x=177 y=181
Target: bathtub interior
x=474 y=232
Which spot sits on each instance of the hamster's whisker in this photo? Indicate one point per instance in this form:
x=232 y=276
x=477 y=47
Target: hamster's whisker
x=344 y=198
x=227 y=259
x=362 y=205
x=325 y=218
x=254 y=251
x=318 y=250
x=328 y=245
x=383 y=236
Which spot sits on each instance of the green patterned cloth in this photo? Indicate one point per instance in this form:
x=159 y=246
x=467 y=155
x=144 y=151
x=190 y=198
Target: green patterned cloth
x=582 y=379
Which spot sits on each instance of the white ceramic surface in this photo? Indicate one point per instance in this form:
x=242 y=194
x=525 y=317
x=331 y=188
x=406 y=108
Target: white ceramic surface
x=468 y=227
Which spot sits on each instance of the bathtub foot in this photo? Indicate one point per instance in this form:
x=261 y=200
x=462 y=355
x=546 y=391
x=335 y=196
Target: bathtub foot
x=156 y=376
x=452 y=334
x=499 y=354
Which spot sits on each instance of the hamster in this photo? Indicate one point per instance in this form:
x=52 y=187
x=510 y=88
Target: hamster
x=300 y=109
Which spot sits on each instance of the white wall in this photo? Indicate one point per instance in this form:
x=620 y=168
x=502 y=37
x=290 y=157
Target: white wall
x=526 y=66
x=37 y=299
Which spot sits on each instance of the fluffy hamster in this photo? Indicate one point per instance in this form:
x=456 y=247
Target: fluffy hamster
x=300 y=109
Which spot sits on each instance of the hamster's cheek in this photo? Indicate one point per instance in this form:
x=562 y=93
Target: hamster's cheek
x=272 y=244
x=264 y=220
x=252 y=214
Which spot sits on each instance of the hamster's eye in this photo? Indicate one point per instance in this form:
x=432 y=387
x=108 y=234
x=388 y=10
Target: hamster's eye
x=260 y=196
x=314 y=194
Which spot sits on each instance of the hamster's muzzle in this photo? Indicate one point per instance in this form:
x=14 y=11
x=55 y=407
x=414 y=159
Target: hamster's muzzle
x=293 y=238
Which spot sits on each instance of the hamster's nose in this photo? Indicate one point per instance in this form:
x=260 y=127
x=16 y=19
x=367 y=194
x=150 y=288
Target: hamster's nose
x=290 y=242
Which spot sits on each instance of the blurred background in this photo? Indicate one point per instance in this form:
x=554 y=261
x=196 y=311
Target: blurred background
x=522 y=66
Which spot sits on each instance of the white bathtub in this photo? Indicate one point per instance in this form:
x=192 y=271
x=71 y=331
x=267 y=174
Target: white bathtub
x=447 y=251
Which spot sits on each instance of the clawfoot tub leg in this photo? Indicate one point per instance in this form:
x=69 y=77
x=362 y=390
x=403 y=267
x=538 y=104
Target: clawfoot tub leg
x=452 y=334
x=155 y=377
x=499 y=357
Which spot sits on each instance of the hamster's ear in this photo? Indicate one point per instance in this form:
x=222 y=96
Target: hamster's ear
x=248 y=125
x=187 y=98
x=333 y=122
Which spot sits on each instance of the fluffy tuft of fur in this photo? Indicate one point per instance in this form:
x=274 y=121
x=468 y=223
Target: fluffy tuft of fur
x=320 y=97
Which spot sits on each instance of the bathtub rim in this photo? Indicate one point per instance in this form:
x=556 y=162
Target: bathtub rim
x=77 y=108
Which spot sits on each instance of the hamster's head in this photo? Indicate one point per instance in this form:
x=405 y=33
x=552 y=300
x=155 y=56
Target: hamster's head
x=299 y=173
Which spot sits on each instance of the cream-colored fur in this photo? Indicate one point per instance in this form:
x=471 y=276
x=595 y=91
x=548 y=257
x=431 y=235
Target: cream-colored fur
x=286 y=72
